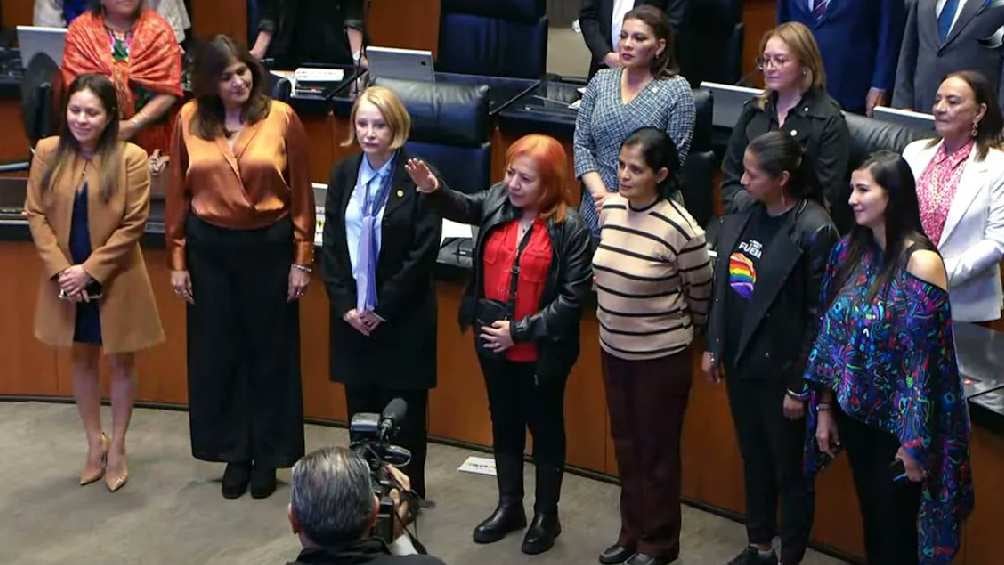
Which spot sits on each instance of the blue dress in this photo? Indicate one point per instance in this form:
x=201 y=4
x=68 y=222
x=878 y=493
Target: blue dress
x=87 y=328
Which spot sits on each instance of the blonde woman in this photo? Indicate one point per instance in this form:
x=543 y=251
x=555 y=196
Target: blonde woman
x=795 y=101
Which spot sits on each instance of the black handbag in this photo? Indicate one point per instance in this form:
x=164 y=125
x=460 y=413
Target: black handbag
x=488 y=311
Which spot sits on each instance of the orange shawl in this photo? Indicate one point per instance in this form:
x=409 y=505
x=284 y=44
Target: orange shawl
x=154 y=64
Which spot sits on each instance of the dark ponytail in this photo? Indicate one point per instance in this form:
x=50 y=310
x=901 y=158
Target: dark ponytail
x=778 y=152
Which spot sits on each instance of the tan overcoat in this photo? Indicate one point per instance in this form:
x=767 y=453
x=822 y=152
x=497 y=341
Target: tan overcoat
x=129 y=318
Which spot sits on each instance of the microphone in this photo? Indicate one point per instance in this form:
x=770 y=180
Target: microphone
x=392 y=416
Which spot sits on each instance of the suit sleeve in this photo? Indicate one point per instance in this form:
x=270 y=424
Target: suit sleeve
x=902 y=96
x=335 y=266
x=417 y=264
x=734 y=196
x=105 y=261
x=783 y=11
x=54 y=261
x=589 y=23
x=676 y=12
x=269 y=19
x=890 y=29
x=990 y=250
x=353 y=14
x=583 y=144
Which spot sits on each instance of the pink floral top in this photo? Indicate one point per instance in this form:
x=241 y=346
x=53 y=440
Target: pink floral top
x=936 y=188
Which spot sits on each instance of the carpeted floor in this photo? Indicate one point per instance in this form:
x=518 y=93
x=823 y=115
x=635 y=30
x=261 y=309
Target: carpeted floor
x=171 y=511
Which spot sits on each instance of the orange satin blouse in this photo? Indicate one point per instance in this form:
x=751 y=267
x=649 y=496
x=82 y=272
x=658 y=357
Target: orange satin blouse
x=262 y=180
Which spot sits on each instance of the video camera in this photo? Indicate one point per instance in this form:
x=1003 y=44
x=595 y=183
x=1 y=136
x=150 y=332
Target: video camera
x=370 y=437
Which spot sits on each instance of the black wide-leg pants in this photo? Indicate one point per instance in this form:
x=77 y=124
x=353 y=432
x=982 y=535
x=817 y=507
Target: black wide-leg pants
x=245 y=396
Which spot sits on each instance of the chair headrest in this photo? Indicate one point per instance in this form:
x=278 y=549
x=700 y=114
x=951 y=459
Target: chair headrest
x=453 y=114
x=868 y=135
x=704 y=108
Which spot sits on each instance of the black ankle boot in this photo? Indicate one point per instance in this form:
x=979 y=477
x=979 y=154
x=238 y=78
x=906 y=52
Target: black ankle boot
x=541 y=534
x=235 y=479
x=262 y=481
x=545 y=526
x=509 y=515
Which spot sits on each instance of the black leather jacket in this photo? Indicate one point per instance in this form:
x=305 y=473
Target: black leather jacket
x=782 y=318
x=819 y=126
x=555 y=325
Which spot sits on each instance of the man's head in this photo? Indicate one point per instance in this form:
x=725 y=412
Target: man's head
x=332 y=500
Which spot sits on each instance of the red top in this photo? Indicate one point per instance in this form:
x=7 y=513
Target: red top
x=497 y=262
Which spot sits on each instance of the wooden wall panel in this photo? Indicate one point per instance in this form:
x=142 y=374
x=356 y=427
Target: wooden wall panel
x=162 y=369
x=458 y=406
x=219 y=16
x=410 y=25
x=17 y=12
x=14 y=141
x=984 y=524
x=29 y=367
x=758 y=17
x=587 y=425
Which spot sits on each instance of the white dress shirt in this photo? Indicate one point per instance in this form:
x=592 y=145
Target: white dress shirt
x=621 y=8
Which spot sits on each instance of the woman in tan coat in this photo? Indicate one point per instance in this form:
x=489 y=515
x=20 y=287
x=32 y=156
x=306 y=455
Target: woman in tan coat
x=87 y=205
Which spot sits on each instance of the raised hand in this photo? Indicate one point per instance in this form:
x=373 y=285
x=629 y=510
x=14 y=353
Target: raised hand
x=422 y=176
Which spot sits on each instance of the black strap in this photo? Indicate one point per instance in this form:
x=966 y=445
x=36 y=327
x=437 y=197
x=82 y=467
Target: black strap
x=511 y=301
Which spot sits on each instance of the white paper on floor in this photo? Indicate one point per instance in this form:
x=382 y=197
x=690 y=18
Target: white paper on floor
x=478 y=466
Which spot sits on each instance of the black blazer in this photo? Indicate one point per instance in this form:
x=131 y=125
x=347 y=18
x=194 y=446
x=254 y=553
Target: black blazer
x=819 y=126
x=596 y=16
x=555 y=326
x=401 y=352
x=785 y=306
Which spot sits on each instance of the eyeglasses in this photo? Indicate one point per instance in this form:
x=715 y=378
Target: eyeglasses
x=777 y=61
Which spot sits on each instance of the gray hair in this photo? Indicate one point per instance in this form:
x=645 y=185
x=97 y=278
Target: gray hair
x=331 y=496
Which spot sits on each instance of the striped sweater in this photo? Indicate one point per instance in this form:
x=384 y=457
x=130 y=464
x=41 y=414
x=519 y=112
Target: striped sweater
x=653 y=279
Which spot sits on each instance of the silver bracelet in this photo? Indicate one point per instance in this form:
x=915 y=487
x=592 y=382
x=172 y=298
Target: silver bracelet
x=302 y=268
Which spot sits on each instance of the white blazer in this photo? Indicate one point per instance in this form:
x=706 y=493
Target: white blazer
x=972 y=242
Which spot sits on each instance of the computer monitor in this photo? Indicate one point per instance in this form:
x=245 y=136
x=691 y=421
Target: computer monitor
x=34 y=40
x=728 y=102
x=403 y=64
x=907 y=118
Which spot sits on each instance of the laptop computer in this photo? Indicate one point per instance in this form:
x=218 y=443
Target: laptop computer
x=906 y=118
x=729 y=100
x=34 y=40
x=403 y=64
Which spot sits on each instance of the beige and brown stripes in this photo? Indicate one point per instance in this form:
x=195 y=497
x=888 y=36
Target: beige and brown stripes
x=653 y=279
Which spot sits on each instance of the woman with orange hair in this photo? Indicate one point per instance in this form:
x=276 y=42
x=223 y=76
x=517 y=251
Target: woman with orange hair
x=136 y=48
x=531 y=276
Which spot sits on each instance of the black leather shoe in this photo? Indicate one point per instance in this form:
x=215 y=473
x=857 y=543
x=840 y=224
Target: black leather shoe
x=506 y=518
x=616 y=553
x=643 y=559
x=262 y=481
x=541 y=534
x=235 y=479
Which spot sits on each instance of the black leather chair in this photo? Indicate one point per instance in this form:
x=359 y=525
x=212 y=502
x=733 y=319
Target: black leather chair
x=710 y=45
x=40 y=81
x=450 y=129
x=280 y=88
x=699 y=168
x=868 y=135
x=493 y=37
